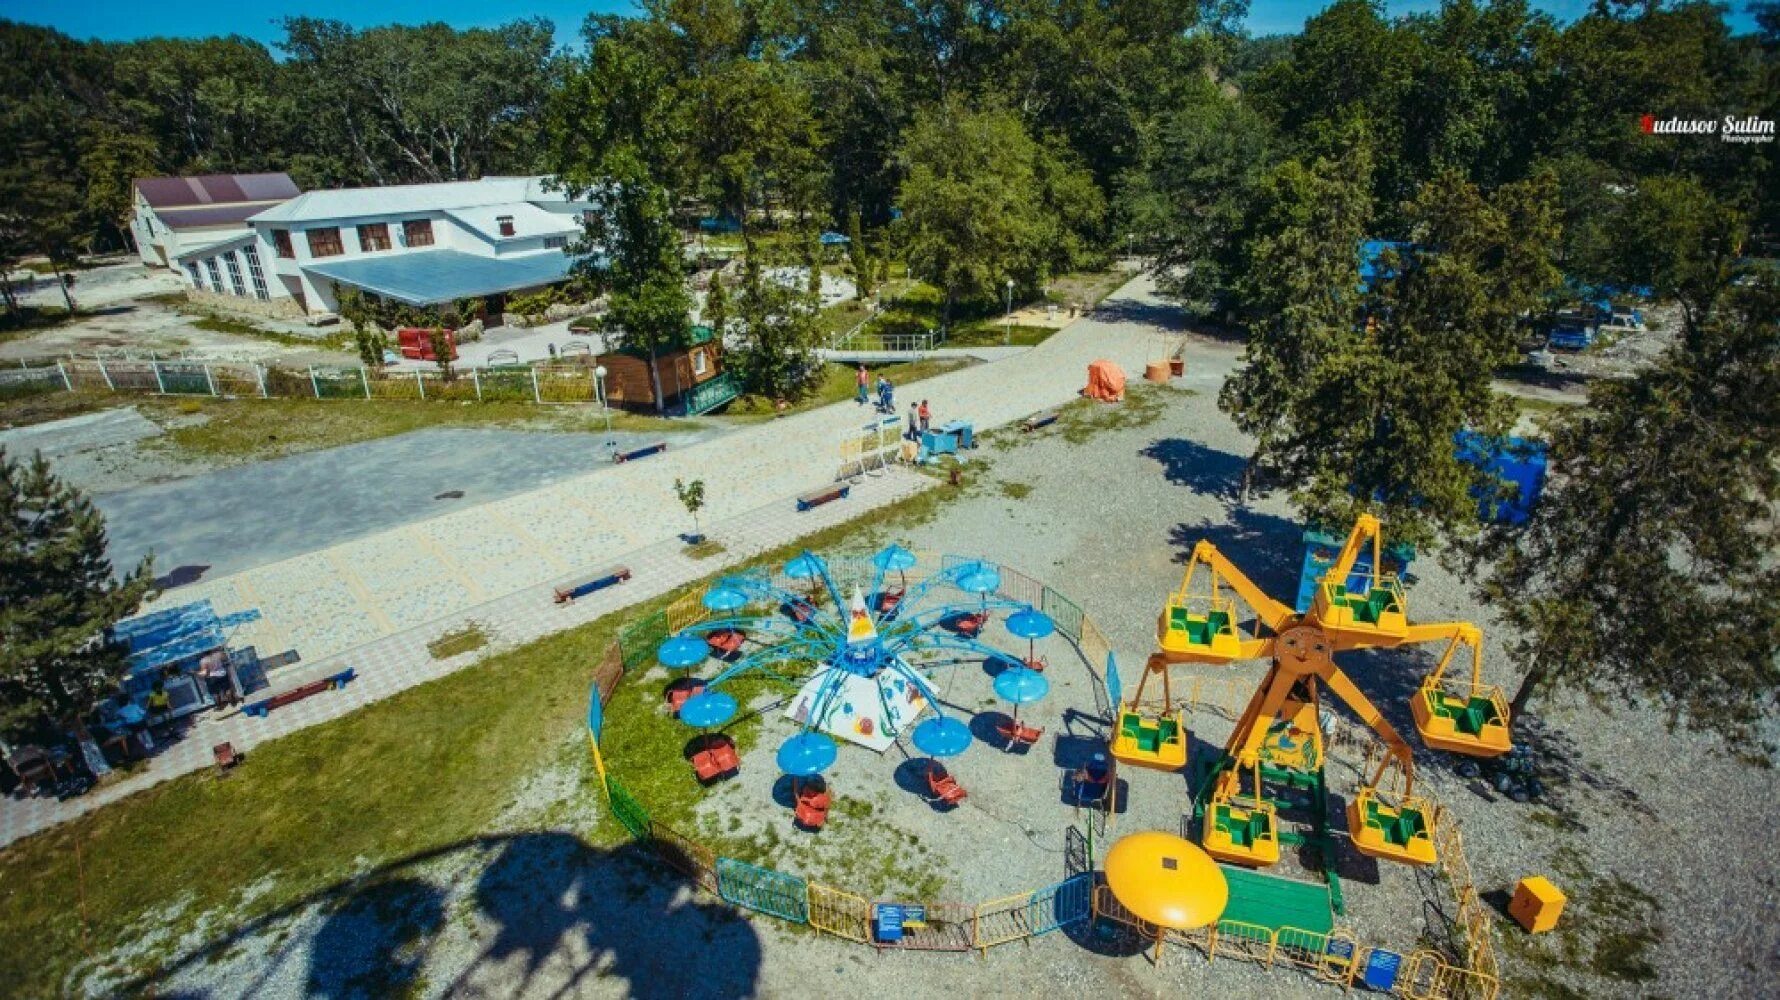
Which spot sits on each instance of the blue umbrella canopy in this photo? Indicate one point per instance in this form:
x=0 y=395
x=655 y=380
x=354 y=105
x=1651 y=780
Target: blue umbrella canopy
x=942 y=736
x=724 y=598
x=980 y=578
x=804 y=567
x=682 y=651
x=806 y=754
x=1021 y=686
x=894 y=557
x=708 y=708
x=1030 y=624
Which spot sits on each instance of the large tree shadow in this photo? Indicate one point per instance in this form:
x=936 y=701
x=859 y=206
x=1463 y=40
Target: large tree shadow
x=550 y=914
x=1209 y=471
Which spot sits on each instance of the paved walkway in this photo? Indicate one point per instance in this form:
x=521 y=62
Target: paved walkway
x=374 y=602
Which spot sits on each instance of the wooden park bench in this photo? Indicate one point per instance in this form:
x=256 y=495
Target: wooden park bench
x=581 y=586
x=643 y=452
x=1037 y=420
x=262 y=708
x=818 y=497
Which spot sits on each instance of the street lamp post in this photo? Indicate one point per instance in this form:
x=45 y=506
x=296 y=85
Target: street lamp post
x=1007 y=330
x=599 y=379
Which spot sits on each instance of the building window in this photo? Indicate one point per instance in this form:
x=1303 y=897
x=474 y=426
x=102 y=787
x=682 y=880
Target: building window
x=418 y=232
x=324 y=242
x=192 y=269
x=252 y=254
x=234 y=266
x=700 y=364
x=210 y=268
x=281 y=241
x=373 y=237
x=506 y=224
x=556 y=242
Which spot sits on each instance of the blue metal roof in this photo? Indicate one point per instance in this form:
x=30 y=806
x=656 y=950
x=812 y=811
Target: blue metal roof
x=179 y=633
x=428 y=277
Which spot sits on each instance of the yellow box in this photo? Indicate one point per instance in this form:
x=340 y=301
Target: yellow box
x=1536 y=904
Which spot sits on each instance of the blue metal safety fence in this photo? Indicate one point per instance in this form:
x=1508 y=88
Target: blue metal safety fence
x=782 y=895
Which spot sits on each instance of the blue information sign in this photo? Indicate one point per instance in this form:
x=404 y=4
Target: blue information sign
x=1381 y=969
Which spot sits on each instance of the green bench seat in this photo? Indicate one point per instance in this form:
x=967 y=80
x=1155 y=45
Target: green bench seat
x=1398 y=829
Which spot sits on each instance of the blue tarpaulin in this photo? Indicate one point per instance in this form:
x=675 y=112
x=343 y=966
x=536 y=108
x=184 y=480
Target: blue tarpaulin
x=833 y=239
x=175 y=634
x=1518 y=463
x=1371 y=254
x=433 y=276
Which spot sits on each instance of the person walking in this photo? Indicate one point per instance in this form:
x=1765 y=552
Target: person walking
x=925 y=415
x=914 y=433
x=864 y=381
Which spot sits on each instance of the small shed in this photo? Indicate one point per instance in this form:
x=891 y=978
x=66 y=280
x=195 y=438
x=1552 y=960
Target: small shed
x=689 y=375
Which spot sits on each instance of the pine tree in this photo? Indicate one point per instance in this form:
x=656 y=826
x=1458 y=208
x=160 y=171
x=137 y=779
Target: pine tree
x=57 y=598
x=716 y=314
x=1647 y=567
x=858 y=257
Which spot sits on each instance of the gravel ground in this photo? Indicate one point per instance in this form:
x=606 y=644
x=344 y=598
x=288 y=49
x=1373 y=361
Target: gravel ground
x=1662 y=840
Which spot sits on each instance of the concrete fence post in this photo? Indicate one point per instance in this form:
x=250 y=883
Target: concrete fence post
x=364 y=380
x=160 y=383
x=259 y=377
x=66 y=384
x=536 y=397
x=210 y=378
x=314 y=386
x=105 y=374
x=477 y=379
x=420 y=383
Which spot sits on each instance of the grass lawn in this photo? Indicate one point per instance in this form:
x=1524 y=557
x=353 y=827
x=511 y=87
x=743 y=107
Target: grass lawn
x=838 y=385
x=250 y=429
x=428 y=767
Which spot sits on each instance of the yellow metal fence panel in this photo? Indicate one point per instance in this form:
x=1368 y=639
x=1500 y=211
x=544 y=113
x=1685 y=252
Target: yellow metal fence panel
x=840 y=913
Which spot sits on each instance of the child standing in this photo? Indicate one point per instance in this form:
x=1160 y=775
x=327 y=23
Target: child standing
x=863 y=379
x=924 y=416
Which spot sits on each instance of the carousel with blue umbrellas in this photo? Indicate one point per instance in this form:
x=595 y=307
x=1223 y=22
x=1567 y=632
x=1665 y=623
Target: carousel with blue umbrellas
x=857 y=667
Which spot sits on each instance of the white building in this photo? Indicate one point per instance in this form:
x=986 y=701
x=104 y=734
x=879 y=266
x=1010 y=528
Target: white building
x=420 y=244
x=179 y=215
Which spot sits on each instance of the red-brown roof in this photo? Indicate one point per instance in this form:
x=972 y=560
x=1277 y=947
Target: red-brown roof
x=216 y=189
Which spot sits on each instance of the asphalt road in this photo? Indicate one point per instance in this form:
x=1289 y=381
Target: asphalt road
x=238 y=518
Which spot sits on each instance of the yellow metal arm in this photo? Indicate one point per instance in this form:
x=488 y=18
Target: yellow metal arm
x=1268 y=611
x=1366 y=529
x=1344 y=689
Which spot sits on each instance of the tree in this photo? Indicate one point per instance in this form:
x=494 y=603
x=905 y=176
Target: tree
x=812 y=260
x=857 y=257
x=1374 y=426
x=610 y=136
x=776 y=325
x=716 y=311
x=440 y=343
x=982 y=203
x=1646 y=569
x=1303 y=284
x=692 y=497
x=1195 y=196
x=57 y=598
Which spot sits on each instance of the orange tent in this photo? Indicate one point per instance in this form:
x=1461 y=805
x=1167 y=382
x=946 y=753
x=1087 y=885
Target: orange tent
x=1106 y=382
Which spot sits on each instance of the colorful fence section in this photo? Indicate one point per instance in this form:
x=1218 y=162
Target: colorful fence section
x=1330 y=954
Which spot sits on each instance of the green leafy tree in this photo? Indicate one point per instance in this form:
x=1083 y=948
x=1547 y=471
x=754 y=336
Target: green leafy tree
x=610 y=135
x=1646 y=569
x=1303 y=279
x=983 y=203
x=777 y=328
x=440 y=343
x=858 y=258
x=692 y=497
x=57 y=598
x=1374 y=426
x=812 y=260
x=716 y=311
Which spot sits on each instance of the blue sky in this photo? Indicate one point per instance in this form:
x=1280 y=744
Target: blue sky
x=125 y=19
